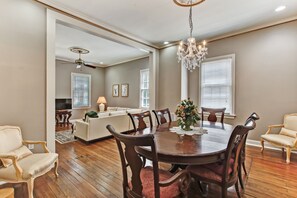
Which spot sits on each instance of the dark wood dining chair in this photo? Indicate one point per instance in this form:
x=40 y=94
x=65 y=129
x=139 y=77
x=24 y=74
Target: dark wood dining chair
x=160 y=116
x=225 y=172
x=255 y=117
x=212 y=114
x=147 y=181
x=140 y=117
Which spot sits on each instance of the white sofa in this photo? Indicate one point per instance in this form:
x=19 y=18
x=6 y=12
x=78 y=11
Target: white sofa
x=95 y=128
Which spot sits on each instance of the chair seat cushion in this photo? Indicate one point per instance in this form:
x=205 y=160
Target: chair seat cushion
x=147 y=178
x=212 y=171
x=278 y=139
x=33 y=165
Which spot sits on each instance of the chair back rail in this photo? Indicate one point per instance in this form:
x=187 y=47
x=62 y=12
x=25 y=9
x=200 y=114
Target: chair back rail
x=212 y=113
x=160 y=116
x=141 y=122
x=234 y=149
x=130 y=158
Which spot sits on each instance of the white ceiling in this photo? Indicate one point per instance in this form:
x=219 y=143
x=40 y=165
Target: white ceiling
x=101 y=50
x=156 y=21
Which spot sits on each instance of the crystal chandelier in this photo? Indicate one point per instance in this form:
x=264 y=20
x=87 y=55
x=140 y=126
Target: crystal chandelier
x=190 y=53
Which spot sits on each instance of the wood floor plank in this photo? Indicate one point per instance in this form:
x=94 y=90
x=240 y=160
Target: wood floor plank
x=94 y=170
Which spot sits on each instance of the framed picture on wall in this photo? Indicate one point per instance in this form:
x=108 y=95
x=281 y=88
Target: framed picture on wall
x=124 y=90
x=115 y=90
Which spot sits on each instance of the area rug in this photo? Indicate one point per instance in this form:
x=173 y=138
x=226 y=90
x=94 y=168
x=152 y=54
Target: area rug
x=64 y=137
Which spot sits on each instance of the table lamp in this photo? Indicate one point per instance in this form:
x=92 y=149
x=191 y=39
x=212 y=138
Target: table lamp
x=101 y=100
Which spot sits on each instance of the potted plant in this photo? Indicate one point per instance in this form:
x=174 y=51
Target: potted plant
x=187 y=114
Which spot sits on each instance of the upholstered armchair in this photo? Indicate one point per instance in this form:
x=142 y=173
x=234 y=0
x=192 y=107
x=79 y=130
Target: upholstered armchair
x=18 y=163
x=286 y=138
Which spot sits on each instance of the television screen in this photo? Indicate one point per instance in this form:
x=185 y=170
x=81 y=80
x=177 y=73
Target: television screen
x=63 y=103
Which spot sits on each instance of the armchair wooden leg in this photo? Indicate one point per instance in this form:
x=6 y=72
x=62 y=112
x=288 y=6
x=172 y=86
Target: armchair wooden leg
x=262 y=143
x=288 y=155
x=30 y=186
x=56 y=168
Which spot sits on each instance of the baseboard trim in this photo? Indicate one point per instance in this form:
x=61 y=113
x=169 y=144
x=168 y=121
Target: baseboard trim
x=256 y=143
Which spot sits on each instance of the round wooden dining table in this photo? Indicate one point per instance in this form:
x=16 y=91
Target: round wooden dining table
x=185 y=150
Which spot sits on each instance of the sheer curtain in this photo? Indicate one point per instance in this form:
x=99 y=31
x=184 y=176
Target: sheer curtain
x=216 y=84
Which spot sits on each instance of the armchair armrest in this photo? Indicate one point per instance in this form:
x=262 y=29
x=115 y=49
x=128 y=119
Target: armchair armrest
x=14 y=158
x=42 y=143
x=273 y=126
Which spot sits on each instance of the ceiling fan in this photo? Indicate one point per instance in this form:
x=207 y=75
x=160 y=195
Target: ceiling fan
x=80 y=62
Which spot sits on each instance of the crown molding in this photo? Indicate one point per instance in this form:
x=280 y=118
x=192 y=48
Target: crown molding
x=245 y=31
x=129 y=60
x=73 y=14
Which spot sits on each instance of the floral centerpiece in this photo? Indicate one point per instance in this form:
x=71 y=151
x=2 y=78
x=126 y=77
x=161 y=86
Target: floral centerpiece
x=187 y=114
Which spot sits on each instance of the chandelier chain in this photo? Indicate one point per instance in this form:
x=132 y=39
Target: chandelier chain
x=191 y=22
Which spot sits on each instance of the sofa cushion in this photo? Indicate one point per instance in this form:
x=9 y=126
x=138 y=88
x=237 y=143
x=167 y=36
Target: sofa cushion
x=288 y=132
x=290 y=122
x=113 y=113
x=112 y=108
x=122 y=109
x=282 y=140
x=32 y=166
x=103 y=114
x=132 y=111
x=21 y=152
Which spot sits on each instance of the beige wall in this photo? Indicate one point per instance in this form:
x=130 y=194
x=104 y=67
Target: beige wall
x=63 y=84
x=169 y=79
x=22 y=67
x=266 y=74
x=125 y=73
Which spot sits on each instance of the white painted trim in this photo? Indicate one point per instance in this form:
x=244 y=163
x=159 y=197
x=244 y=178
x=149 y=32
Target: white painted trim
x=55 y=6
x=184 y=83
x=126 y=61
x=267 y=145
x=55 y=17
x=50 y=80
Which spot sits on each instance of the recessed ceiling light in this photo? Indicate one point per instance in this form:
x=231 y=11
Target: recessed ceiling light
x=280 y=8
x=166 y=42
x=101 y=63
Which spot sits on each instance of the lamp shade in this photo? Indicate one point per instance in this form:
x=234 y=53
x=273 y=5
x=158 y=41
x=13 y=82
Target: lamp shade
x=101 y=100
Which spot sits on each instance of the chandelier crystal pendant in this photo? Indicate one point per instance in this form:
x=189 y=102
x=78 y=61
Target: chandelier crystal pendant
x=190 y=53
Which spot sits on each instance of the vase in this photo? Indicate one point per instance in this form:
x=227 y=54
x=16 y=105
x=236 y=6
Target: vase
x=187 y=127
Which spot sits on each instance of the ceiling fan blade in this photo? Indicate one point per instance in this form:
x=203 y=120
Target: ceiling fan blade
x=91 y=66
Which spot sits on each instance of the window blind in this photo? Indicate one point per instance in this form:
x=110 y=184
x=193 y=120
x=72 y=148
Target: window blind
x=216 y=84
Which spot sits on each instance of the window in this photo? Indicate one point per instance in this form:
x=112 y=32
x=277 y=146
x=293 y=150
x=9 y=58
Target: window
x=81 y=90
x=144 y=88
x=217 y=80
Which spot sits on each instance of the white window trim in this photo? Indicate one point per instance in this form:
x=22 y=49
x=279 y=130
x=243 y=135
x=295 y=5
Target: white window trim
x=140 y=102
x=232 y=115
x=90 y=84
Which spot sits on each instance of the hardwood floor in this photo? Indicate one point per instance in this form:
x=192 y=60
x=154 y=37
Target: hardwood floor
x=94 y=170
